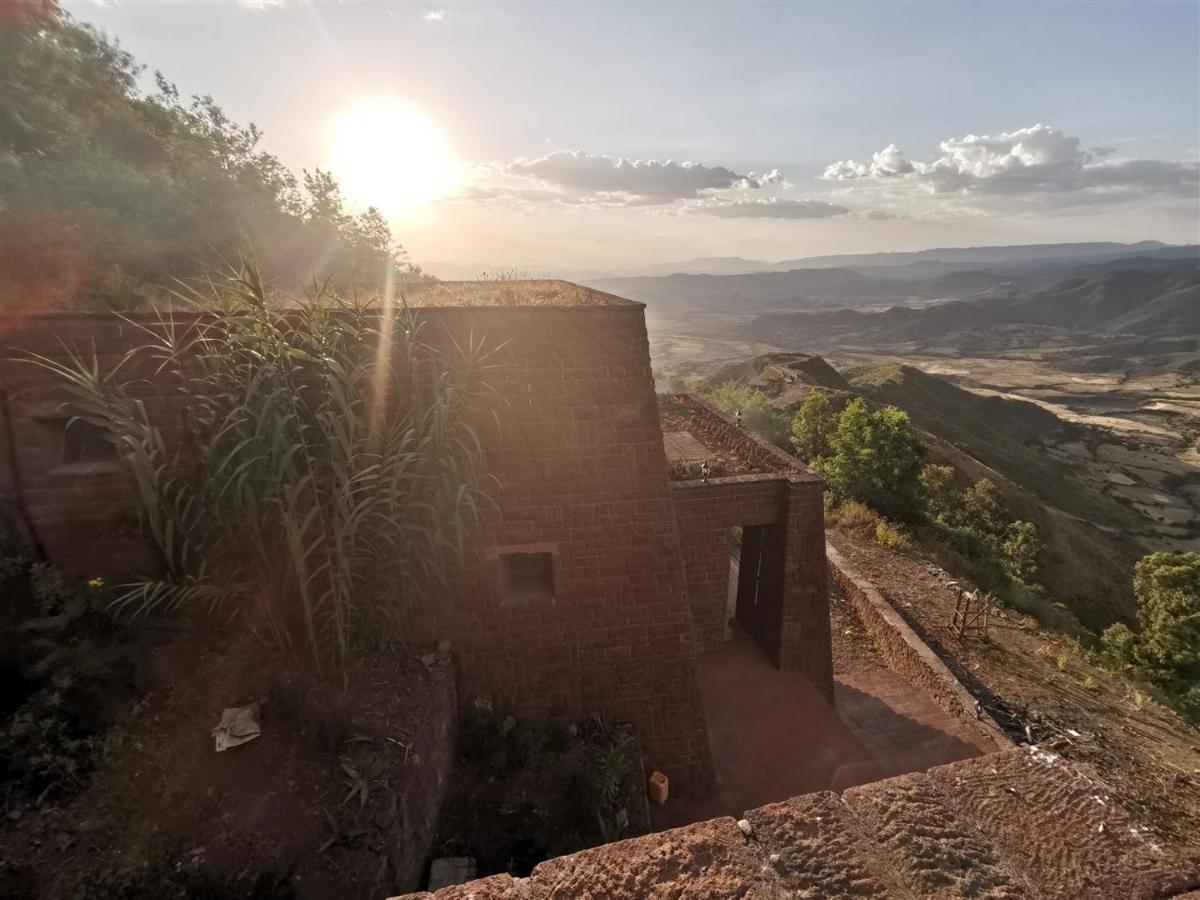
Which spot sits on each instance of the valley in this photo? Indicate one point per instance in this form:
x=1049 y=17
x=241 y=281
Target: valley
x=1075 y=388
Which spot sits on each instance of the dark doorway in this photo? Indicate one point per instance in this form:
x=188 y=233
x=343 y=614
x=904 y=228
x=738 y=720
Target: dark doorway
x=759 y=605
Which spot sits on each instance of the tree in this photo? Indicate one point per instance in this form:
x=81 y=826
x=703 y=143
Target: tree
x=876 y=458
x=1020 y=550
x=1166 y=646
x=937 y=482
x=812 y=426
x=108 y=193
x=981 y=510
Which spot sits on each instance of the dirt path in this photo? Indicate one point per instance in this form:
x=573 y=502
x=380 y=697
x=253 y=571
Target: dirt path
x=1029 y=678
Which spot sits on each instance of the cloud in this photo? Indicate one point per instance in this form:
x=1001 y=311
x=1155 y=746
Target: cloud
x=435 y=15
x=260 y=4
x=772 y=208
x=579 y=176
x=1036 y=164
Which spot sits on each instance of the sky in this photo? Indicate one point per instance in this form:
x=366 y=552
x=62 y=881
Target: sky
x=550 y=138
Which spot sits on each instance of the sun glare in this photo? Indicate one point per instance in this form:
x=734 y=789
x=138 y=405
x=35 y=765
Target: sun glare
x=387 y=153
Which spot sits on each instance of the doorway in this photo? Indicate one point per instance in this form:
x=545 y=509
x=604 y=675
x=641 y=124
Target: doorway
x=755 y=599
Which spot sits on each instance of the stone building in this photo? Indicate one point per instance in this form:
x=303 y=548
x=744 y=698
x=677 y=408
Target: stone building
x=602 y=572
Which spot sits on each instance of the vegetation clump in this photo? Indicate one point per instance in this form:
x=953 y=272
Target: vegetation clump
x=329 y=477
x=1165 y=649
x=69 y=669
x=531 y=788
x=757 y=411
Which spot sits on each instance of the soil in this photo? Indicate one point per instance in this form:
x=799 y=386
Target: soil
x=1043 y=689
x=167 y=816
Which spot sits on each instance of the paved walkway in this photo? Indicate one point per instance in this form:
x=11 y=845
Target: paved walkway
x=899 y=726
x=773 y=737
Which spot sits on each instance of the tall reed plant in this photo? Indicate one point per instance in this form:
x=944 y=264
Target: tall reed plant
x=327 y=480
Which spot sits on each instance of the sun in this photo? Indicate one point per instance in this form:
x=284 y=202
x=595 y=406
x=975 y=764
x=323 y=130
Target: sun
x=388 y=153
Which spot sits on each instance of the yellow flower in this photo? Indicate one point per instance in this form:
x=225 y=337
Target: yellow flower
x=96 y=582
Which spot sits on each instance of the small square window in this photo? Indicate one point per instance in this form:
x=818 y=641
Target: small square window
x=528 y=578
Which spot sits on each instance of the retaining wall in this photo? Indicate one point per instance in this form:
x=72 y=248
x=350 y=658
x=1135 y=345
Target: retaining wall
x=906 y=653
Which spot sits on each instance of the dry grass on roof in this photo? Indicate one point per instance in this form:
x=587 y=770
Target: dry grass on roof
x=509 y=293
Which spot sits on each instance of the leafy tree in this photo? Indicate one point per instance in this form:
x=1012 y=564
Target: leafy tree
x=1020 y=550
x=876 y=458
x=981 y=510
x=107 y=192
x=758 y=413
x=937 y=483
x=812 y=426
x=1166 y=646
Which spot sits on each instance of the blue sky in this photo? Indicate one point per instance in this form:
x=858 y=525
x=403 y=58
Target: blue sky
x=818 y=127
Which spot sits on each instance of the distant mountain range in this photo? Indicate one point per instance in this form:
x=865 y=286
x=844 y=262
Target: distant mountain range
x=1107 y=303
x=907 y=264
x=921 y=279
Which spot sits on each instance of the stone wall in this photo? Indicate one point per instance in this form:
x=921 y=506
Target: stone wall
x=578 y=471
x=420 y=795
x=906 y=653
x=789 y=496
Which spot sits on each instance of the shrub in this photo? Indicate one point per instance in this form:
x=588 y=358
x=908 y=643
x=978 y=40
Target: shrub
x=941 y=498
x=322 y=500
x=1020 y=550
x=887 y=535
x=78 y=662
x=758 y=414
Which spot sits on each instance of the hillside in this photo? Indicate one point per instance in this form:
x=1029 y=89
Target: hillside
x=1090 y=543
x=1099 y=503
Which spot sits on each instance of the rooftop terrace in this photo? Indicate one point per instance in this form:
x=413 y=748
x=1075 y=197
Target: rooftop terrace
x=499 y=293
x=695 y=432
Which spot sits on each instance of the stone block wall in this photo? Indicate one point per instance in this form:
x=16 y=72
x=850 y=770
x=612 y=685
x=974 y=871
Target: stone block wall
x=578 y=471
x=787 y=495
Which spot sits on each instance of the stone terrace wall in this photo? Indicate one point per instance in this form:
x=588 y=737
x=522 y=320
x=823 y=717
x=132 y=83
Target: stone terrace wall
x=905 y=652
x=580 y=473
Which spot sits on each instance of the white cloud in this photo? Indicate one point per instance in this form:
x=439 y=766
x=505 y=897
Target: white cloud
x=576 y=176
x=1038 y=164
x=435 y=15
x=772 y=208
x=260 y=4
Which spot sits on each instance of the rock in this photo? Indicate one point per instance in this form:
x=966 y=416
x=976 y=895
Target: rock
x=744 y=824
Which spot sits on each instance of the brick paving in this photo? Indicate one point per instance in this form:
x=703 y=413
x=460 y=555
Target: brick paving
x=901 y=729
